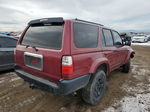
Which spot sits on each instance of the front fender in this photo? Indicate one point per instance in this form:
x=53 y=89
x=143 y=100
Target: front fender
x=97 y=63
x=130 y=55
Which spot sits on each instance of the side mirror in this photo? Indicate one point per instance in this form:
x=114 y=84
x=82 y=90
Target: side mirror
x=118 y=43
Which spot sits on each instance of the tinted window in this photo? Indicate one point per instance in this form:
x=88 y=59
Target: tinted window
x=108 y=37
x=44 y=37
x=85 y=36
x=2 y=43
x=7 y=42
x=103 y=41
x=117 y=38
x=11 y=42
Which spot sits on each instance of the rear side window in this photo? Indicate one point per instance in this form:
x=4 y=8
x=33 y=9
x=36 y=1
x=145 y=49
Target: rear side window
x=117 y=38
x=7 y=42
x=44 y=37
x=108 y=39
x=85 y=36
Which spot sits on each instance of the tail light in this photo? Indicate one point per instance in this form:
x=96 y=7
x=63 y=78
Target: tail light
x=67 y=65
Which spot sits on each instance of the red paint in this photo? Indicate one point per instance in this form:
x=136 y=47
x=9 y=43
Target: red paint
x=35 y=61
x=85 y=60
x=67 y=70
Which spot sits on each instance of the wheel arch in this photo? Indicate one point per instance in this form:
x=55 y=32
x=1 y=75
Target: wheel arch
x=100 y=64
x=130 y=55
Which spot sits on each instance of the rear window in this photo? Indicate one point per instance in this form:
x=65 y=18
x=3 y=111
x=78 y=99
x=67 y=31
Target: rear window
x=44 y=37
x=85 y=36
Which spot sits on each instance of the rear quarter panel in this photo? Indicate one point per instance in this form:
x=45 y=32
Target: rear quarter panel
x=85 y=60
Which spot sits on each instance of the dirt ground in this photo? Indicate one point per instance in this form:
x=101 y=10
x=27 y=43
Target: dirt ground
x=126 y=92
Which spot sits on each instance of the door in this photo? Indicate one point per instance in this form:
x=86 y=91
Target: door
x=10 y=44
x=7 y=46
x=109 y=50
x=2 y=54
x=119 y=47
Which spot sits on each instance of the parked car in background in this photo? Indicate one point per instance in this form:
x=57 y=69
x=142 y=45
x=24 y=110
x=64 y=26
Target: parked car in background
x=126 y=38
x=148 y=37
x=7 y=46
x=140 y=38
x=5 y=33
x=18 y=36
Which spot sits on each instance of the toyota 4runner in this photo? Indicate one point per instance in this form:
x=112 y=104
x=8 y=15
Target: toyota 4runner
x=63 y=56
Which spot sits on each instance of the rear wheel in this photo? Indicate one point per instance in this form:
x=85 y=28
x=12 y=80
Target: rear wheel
x=126 y=67
x=94 y=91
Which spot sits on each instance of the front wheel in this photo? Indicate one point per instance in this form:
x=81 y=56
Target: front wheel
x=94 y=91
x=126 y=67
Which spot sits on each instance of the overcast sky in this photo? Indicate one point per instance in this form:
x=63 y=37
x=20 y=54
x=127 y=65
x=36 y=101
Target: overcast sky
x=118 y=14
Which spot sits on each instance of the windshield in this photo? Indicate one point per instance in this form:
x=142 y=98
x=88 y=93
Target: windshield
x=44 y=37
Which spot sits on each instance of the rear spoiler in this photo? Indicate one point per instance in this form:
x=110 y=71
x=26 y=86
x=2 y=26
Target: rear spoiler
x=58 y=20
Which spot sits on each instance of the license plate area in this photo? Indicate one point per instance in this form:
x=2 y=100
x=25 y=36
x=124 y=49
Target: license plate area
x=33 y=60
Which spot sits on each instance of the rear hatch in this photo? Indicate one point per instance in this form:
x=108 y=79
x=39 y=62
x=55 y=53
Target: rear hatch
x=39 y=51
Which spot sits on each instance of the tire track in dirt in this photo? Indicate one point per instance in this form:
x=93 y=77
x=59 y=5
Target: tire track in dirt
x=137 y=86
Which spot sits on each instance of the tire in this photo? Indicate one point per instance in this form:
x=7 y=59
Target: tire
x=95 y=89
x=126 y=67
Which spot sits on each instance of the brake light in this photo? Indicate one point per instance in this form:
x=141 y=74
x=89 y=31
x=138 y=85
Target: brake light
x=67 y=65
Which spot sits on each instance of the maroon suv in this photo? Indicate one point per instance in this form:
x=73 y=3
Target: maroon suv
x=63 y=56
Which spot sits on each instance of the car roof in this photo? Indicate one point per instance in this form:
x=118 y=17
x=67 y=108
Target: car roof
x=5 y=36
x=92 y=23
x=61 y=20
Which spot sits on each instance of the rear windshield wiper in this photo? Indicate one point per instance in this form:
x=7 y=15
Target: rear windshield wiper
x=32 y=47
x=27 y=46
x=35 y=48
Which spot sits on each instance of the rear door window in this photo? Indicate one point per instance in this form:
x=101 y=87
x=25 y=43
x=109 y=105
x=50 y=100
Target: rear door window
x=108 y=39
x=85 y=35
x=44 y=37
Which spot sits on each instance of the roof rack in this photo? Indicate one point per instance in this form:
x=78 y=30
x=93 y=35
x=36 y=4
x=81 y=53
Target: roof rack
x=89 y=22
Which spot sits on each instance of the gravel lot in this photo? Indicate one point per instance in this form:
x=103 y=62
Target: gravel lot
x=126 y=92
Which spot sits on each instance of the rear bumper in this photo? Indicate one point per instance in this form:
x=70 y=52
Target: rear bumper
x=63 y=87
